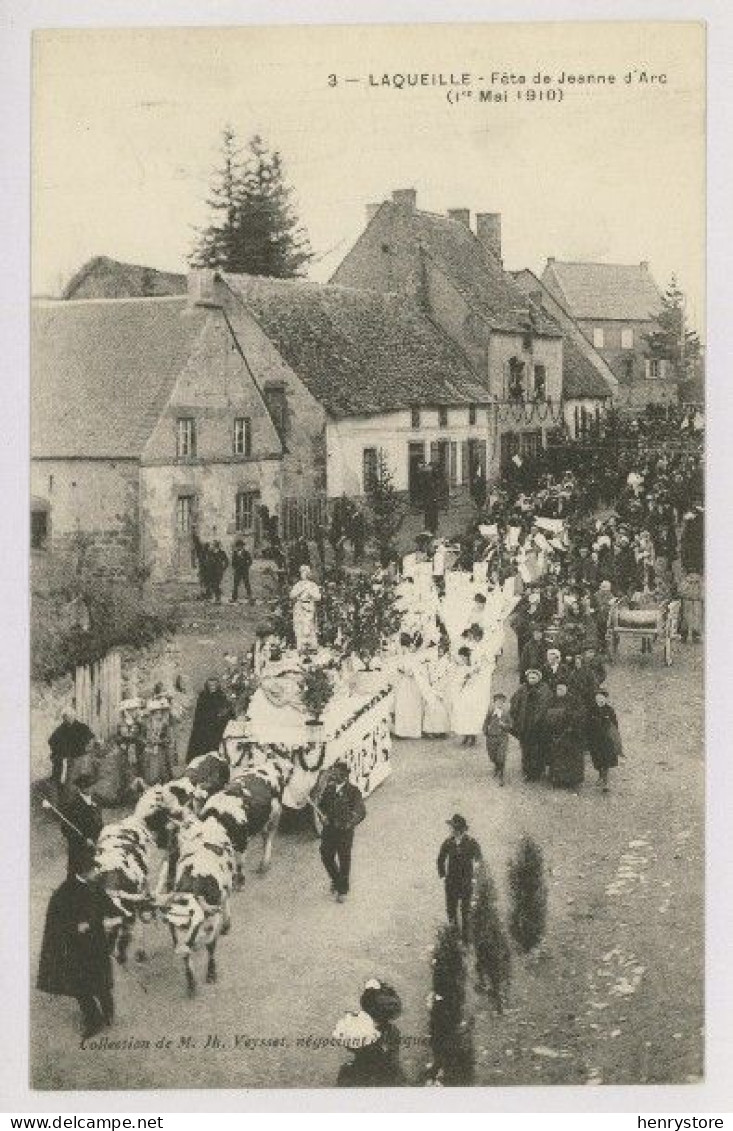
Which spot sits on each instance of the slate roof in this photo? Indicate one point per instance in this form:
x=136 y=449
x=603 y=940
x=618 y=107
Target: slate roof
x=477 y=274
x=102 y=371
x=586 y=374
x=102 y=277
x=606 y=290
x=359 y=352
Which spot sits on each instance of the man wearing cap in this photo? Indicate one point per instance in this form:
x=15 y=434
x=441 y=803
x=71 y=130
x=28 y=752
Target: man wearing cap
x=456 y=859
x=528 y=709
x=342 y=809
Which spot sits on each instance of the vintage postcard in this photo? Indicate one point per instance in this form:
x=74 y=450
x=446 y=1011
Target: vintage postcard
x=367 y=539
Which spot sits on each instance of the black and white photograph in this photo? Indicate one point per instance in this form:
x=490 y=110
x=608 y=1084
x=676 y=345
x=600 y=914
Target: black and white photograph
x=367 y=520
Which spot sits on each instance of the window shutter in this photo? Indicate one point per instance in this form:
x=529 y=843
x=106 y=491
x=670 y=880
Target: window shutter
x=465 y=461
x=434 y=452
x=453 y=463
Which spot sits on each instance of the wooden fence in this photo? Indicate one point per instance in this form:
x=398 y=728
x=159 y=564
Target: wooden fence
x=300 y=518
x=97 y=694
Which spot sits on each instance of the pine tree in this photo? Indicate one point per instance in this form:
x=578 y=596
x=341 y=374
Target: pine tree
x=672 y=340
x=490 y=942
x=220 y=244
x=254 y=229
x=387 y=510
x=528 y=893
x=451 y=1038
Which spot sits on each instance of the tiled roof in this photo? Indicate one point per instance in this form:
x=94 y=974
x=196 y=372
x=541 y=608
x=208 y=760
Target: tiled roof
x=359 y=352
x=580 y=379
x=477 y=273
x=102 y=371
x=585 y=372
x=102 y=277
x=605 y=290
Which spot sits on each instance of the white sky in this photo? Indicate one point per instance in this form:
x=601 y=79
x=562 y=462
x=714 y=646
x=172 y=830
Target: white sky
x=127 y=127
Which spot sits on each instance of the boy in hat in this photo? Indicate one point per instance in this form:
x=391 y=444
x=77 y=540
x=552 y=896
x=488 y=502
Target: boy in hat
x=496 y=729
x=456 y=859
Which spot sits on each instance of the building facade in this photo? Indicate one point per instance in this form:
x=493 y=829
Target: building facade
x=616 y=306
x=456 y=275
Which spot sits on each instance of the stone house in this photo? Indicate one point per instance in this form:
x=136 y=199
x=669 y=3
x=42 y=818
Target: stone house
x=155 y=417
x=616 y=305
x=456 y=276
x=588 y=382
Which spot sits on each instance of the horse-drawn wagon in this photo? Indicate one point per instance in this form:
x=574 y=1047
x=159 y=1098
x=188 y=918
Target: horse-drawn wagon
x=657 y=623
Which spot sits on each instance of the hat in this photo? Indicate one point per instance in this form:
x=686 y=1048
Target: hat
x=530 y=671
x=131 y=705
x=356 y=1031
x=458 y=823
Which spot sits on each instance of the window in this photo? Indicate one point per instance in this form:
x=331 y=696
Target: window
x=598 y=338
x=184 y=514
x=39 y=529
x=515 y=390
x=654 y=368
x=415 y=417
x=530 y=445
x=627 y=339
x=276 y=400
x=540 y=383
x=242 y=436
x=442 y=418
x=245 y=509
x=472 y=414
x=369 y=466
x=186 y=439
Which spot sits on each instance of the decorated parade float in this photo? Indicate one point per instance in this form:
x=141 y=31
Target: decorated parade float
x=328 y=698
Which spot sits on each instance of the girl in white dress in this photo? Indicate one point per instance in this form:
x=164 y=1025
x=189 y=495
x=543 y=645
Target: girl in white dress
x=408 y=700
x=436 y=714
x=471 y=694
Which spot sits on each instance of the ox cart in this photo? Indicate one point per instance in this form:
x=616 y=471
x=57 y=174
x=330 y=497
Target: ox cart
x=657 y=624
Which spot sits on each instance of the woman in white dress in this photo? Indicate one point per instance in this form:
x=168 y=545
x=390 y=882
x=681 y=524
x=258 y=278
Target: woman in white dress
x=436 y=713
x=408 y=699
x=471 y=694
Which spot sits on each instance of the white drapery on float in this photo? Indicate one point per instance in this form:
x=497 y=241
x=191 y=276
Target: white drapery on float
x=354 y=728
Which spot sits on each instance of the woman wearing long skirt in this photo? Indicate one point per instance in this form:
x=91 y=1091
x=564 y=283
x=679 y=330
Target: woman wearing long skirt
x=436 y=712
x=566 y=740
x=408 y=700
x=471 y=696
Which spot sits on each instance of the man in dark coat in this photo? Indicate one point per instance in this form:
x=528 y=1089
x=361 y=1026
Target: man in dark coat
x=528 y=709
x=534 y=651
x=85 y=823
x=213 y=712
x=218 y=562
x=75 y=958
x=342 y=808
x=68 y=742
x=241 y=565
x=457 y=856
x=692 y=542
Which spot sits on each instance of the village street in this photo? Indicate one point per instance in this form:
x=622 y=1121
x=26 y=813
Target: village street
x=615 y=996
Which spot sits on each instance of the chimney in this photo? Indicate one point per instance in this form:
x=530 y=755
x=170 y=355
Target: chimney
x=462 y=215
x=203 y=289
x=488 y=231
x=550 y=259
x=405 y=198
x=644 y=264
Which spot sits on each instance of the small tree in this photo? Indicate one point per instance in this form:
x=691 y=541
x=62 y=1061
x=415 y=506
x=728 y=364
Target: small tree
x=363 y=612
x=316 y=691
x=387 y=512
x=451 y=1039
x=528 y=893
x=490 y=942
x=672 y=340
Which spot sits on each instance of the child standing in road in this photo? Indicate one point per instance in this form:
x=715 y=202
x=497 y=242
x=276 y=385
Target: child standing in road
x=497 y=725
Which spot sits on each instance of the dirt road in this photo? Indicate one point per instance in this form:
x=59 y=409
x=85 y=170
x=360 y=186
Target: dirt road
x=616 y=997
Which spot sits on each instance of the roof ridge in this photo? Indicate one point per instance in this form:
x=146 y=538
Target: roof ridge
x=72 y=304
